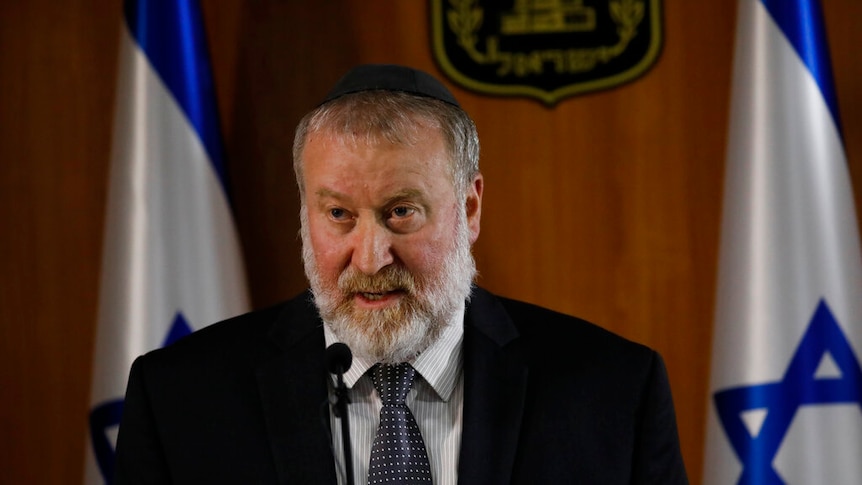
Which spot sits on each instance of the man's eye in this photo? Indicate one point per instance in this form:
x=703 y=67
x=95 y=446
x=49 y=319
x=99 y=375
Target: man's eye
x=402 y=211
x=337 y=213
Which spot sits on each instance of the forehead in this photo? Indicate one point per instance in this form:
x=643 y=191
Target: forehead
x=416 y=140
x=349 y=161
x=374 y=123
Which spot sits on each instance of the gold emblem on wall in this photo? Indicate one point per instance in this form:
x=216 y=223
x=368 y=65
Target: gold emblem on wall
x=545 y=49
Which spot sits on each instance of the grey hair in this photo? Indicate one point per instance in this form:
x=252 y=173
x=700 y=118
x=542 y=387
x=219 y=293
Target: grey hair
x=395 y=117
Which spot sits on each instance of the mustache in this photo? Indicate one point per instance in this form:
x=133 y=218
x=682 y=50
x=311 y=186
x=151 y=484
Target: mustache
x=390 y=278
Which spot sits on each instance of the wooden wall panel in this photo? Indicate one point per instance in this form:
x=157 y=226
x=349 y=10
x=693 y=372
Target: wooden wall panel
x=57 y=64
x=606 y=206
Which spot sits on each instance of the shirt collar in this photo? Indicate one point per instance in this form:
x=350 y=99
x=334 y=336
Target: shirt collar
x=439 y=365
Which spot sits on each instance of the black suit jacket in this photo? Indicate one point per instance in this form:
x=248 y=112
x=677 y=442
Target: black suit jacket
x=548 y=398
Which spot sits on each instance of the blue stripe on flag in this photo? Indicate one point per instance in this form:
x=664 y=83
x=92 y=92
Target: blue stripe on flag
x=171 y=34
x=803 y=25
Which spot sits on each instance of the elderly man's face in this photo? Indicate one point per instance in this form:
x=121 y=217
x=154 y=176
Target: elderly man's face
x=386 y=242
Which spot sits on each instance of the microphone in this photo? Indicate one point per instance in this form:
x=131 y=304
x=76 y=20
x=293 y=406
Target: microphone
x=338 y=358
x=338 y=361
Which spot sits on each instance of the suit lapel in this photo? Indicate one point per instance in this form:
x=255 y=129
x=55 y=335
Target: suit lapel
x=293 y=394
x=495 y=381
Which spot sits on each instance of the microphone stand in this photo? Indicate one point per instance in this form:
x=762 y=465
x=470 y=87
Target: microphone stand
x=338 y=360
x=340 y=411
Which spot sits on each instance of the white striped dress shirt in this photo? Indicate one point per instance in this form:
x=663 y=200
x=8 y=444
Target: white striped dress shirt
x=436 y=401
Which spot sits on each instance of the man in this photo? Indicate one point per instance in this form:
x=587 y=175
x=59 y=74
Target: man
x=493 y=391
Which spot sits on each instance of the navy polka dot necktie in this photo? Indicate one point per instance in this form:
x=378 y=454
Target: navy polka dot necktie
x=398 y=454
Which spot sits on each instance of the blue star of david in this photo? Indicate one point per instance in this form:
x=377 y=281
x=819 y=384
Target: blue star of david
x=799 y=387
x=109 y=413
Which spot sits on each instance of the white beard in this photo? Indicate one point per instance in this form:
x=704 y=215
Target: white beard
x=399 y=333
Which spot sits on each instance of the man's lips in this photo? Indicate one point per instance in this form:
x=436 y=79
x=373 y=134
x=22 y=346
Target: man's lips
x=376 y=298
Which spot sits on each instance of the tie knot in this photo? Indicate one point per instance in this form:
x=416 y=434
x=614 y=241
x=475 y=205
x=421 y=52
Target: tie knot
x=393 y=382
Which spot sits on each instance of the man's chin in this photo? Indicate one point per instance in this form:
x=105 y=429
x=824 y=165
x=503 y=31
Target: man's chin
x=386 y=341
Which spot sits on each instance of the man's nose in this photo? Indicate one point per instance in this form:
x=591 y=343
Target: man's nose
x=372 y=247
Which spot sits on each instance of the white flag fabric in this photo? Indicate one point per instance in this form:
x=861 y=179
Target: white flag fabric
x=786 y=385
x=171 y=256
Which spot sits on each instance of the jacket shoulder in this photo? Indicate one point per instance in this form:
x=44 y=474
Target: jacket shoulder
x=553 y=328
x=245 y=337
x=556 y=340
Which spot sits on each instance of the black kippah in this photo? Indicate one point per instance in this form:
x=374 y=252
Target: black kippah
x=390 y=77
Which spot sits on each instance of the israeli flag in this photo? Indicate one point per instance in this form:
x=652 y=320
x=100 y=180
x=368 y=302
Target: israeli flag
x=171 y=258
x=786 y=385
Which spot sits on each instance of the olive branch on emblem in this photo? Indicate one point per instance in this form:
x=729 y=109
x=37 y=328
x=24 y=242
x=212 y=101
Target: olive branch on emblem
x=464 y=18
x=627 y=14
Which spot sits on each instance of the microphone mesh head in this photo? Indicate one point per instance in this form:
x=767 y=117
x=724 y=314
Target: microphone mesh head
x=338 y=358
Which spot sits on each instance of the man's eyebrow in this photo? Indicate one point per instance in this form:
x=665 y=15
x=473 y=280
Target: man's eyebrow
x=400 y=195
x=327 y=193
x=406 y=194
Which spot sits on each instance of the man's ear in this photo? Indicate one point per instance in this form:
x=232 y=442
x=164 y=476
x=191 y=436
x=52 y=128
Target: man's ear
x=474 y=206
